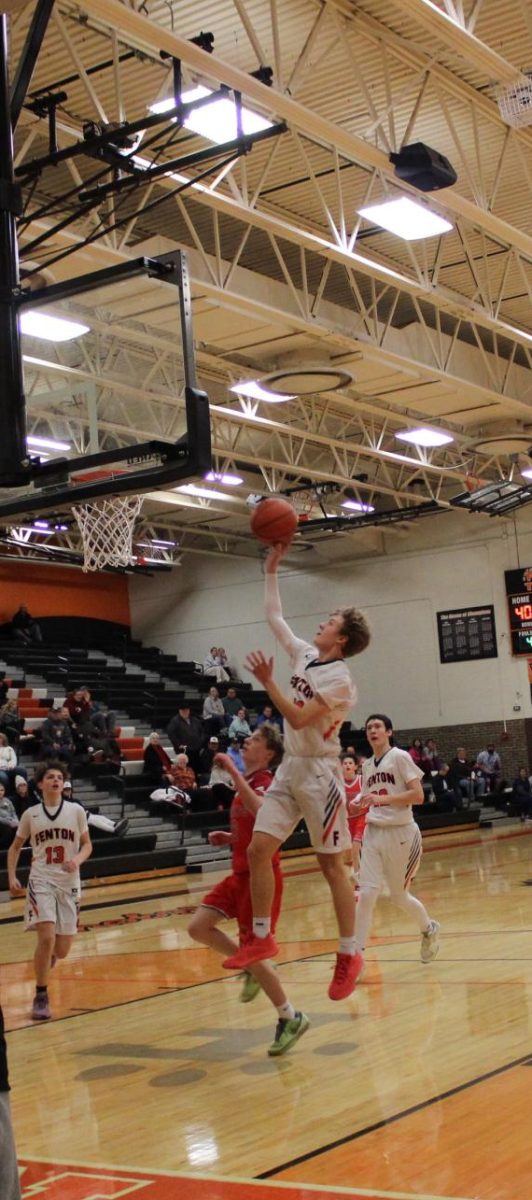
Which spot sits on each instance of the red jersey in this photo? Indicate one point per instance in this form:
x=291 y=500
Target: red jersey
x=242 y=822
x=356 y=821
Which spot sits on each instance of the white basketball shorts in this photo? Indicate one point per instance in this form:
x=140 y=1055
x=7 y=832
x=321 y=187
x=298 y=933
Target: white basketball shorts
x=391 y=854
x=44 y=902
x=311 y=788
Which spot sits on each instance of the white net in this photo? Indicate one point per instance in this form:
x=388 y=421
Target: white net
x=515 y=104
x=106 y=528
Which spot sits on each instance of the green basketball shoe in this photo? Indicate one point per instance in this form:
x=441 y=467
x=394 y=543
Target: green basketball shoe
x=288 y=1032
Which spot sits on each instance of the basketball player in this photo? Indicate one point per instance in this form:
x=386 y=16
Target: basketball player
x=309 y=782
x=9 y=1175
x=232 y=897
x=391 y=850
x=60 y=843
x=357 y=822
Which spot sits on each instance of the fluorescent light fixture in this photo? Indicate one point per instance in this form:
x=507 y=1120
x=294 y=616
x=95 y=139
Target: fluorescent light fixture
x=60 y=528
x=52 y=329
x=41 y=525
x=254 y=391
x=217 y=121
x=156 y=544
x=424 y=437
x=526 y=472
x=47 y=443
x=406 y=218
x=358 y=506
x=192 y=489
x=228 y=480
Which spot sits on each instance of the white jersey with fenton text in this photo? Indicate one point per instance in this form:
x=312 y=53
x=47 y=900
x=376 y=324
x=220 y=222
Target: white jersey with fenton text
x=389 y=774
x=332 y=682
x=55 y=836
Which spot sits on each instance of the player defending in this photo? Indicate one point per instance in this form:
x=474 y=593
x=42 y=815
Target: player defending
x=309 y=782
x=60 y=843
x=391 y=849
x=351 y=771
x=232 y=898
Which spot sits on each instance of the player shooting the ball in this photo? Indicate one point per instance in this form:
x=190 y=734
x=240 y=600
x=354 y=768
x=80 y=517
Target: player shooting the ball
x=309 y=782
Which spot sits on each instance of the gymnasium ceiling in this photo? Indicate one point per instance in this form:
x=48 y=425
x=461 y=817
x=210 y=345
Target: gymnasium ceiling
x=285 y=274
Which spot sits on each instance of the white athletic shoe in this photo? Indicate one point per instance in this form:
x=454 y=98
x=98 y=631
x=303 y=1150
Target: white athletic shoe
x=430 y=942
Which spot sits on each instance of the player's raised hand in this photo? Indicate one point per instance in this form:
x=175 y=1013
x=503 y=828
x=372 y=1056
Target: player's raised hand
x=260 y=666
x=274 y=557
x=219 y=837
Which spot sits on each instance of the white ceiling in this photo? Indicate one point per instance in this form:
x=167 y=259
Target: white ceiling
x=283 y=270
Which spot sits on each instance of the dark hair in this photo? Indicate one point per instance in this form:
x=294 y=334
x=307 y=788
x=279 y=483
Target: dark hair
x=271 y=734
x=379 y=717
x=355 y=630
x=42 y=768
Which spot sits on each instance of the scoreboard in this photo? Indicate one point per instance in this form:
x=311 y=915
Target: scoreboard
x=519 y=600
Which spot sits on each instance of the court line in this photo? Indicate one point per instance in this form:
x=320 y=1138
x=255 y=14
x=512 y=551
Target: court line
x=525 y=1060
x=330 y=1189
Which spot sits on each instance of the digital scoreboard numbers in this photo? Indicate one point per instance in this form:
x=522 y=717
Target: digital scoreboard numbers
x=466 y=634
x=519 y=598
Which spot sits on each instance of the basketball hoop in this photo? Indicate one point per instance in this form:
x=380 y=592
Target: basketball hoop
x=303 y=502
x=106 y=528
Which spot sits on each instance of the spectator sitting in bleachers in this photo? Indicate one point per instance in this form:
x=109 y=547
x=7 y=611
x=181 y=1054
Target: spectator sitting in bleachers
x=96 y=820
x=489 y=764
x=57 y=738
x=213 y=712
x=100 y=747
x=234 y=752
x=8 y=819
x=11 y=722
x=213 y=666
x=186 y=732
x=231 y=703
x=269 y=716
x=8 y=763
x=448 y=799
x=157 y=763
x=102 y=718
x=416 y=753
x=25 y=628
x=522 y=795
x=221 y=786
x=240 y=727
x=206 y=758
x=184 y=776
x=464 y=778
x=23 y=797
x=430 y=755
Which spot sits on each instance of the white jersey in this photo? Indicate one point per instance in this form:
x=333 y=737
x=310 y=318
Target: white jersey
x=332 y=682
x=55 y=836
x=389 y=775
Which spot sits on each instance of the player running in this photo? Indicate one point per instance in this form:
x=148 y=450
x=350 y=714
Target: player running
x=60 y=843
x=232 y=898
x=309 y=782
x=392 y=849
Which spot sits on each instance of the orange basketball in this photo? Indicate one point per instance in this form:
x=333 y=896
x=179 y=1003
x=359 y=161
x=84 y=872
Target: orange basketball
x=274 y=520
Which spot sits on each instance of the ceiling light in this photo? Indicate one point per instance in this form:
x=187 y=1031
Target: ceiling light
x=47 y=443
x=254 y=391
x=217 y=122
x=52 y=329
x=41 y=525
x=424 y=437
x=307 y=378
x=191 y=489
x=358 y=506
x=406 y=218
x=228 y=480
x=526 y=472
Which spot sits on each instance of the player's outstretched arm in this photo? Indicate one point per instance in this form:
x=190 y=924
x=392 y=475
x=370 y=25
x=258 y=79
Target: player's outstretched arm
x=262 y=668
x=272 y=600
x=250 y=799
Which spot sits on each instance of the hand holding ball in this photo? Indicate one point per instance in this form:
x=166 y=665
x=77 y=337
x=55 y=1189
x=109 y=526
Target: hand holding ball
x=274 y=521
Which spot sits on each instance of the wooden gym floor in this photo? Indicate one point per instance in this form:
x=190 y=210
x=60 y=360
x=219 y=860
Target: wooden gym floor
x=153 y=1080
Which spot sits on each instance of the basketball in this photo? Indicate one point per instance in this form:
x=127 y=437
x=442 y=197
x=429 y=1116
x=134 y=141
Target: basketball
x=274 y=520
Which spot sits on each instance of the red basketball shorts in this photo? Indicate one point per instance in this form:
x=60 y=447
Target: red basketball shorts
x=232 y=897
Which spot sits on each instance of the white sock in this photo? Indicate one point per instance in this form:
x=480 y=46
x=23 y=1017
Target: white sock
x=286 y=1011
x=261 y=927
x=348 y=945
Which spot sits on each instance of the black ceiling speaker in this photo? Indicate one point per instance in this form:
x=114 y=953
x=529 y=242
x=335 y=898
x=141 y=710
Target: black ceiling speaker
x=423 y=167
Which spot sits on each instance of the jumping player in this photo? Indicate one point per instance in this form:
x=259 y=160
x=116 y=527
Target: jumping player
x=356 y=817
x=60 y=843
x=309 y=782
x=232 y=897
x=391 y=850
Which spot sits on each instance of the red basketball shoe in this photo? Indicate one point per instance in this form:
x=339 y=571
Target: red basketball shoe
x=346 y=972
x=256 y=950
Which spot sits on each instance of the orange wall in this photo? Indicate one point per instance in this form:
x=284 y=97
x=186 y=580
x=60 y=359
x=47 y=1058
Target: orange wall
x=62 y=591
